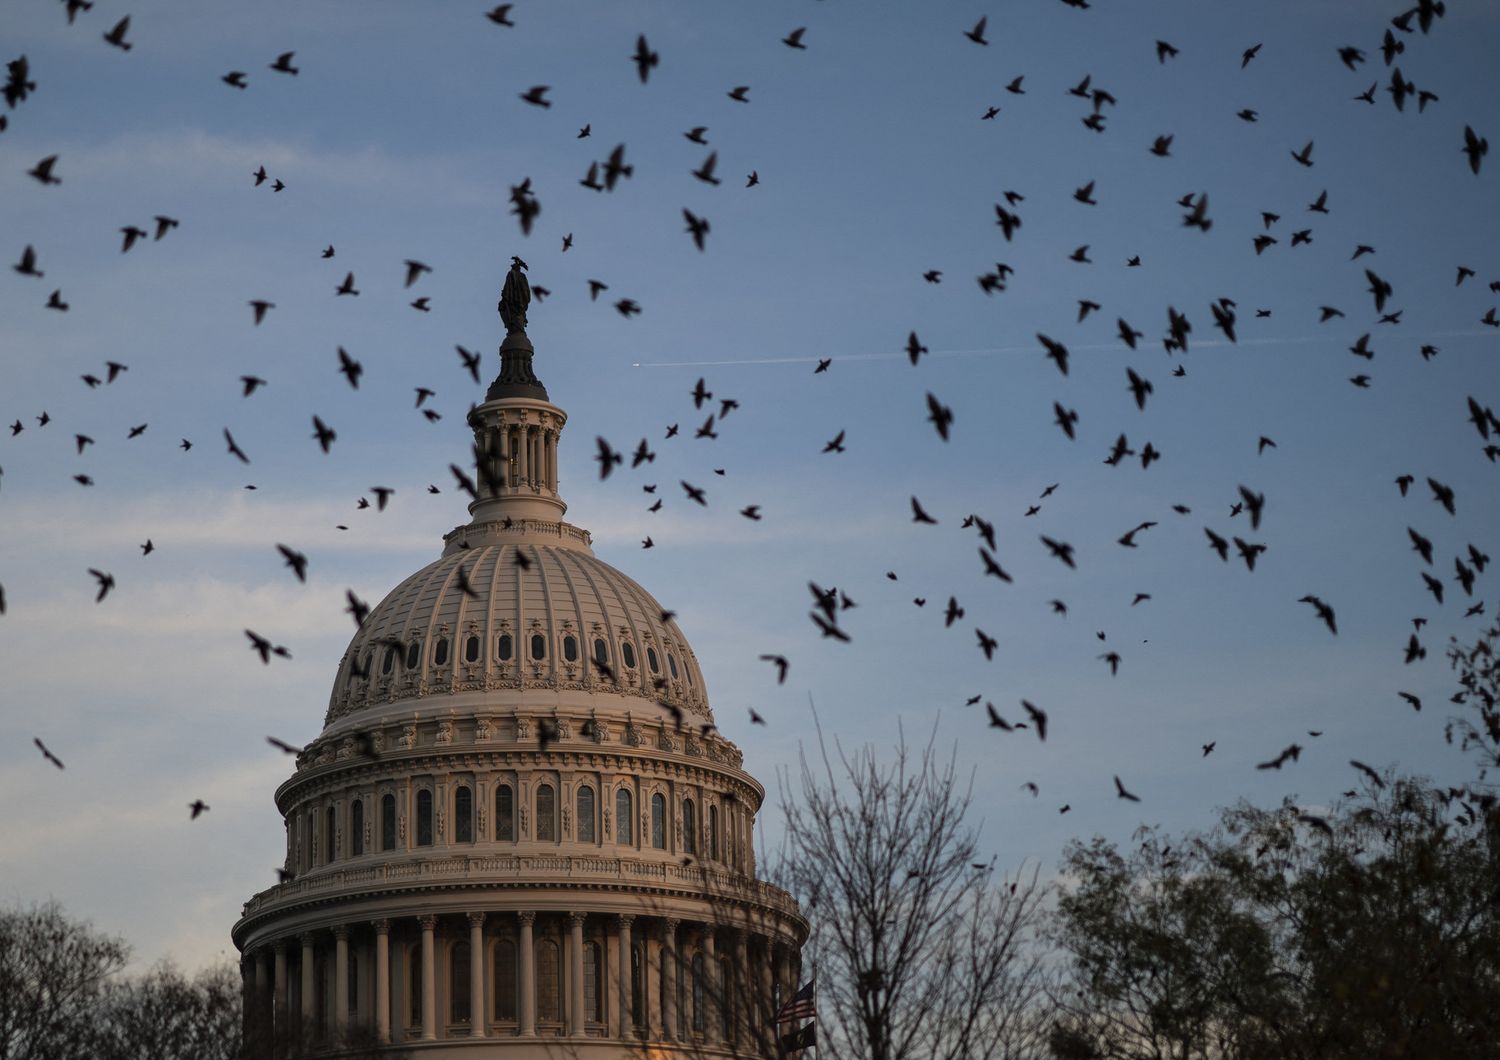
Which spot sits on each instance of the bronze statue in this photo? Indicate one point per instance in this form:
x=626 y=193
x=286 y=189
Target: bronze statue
x=515 y=296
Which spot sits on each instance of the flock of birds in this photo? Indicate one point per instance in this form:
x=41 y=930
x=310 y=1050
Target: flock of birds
x=829 y=605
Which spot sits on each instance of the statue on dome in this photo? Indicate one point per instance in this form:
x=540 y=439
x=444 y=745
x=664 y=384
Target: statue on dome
x=515 y=296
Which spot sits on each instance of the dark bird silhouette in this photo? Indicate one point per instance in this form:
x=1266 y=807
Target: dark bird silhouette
x=1061 y=550
x=608 y=458
x=116 y=36
x=977 y=33
x=42 y=171
x=1056 y=352
x=147 y=548
x=46 y=753
x=1255 y=503
x=644 y=58
x=1208 y=748
x=1139 y=387
x=500 y=16
x=251 y=384
x=1420 y=544
x=130 y=234
x=992 y=568
x=939 y=415
x=835 y=445
x=536 y=95
x=106 y=582
x=696 y=226
x=794 y=40
x=1113 y=659
x=1443 y=495
x=1433 y=586
x=781 y=664
x=1414 y=651
x=234 y=449
x=1304 y=156
x=1248 y=552
x=987 y=643
x=198 y=806
x=1249 y=53
x=295 y=560
x=1038 y=719
x=1164 y=51
x=235 y=79
x=1325 y=612
x=1291 y=753
x=1161 y=147
x=914 y=348
x=1475 y=147
x=1120 y=792
x=283 y=64
x=694 y=493
x=739 y=93
x=1007 y=221
x=996 y=721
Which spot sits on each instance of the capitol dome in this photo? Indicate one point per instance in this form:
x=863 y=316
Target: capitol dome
x=519 y=831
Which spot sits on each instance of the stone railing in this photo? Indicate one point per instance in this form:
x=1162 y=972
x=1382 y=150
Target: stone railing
x=540 y=869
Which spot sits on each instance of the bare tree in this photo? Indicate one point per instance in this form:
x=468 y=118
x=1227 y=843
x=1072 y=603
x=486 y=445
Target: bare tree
x=165 y=1015
x=51 y=973
x=917 y=950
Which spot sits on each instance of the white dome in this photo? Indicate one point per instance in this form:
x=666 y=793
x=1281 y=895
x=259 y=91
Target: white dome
x=540 y=613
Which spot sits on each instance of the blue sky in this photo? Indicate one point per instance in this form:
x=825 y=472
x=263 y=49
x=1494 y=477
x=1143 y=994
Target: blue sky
x=400 y=138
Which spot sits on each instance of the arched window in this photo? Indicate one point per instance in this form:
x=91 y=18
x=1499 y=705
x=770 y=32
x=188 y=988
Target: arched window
x=471 y=649
x=627 y=652
x=387 y=663
x=413 y=654
x=570 y=648
x=414 y=986
x=538 y=646
x=440 y=653
x=593 y=997
x=546 y=813
x=689 y=827
x=505 y=980
x=585 y=813
x=624 y=833
x=651 y=660
x=659 y=821
x=505 y=814
x=388 y=822
x=713 y=833
x=548 y=983
x=330 y=835
x=357 y=827
x=672 y=664
x=601 y=651
x=458 y=982
x=637 y=987
x=504 y=648
x=700 y=1022
x=424 y=818
x=463 y=814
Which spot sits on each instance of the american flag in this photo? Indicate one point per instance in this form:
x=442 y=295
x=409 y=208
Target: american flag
x=800 y=1007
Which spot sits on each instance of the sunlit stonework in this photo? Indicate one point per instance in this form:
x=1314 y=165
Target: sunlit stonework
x=518 y=832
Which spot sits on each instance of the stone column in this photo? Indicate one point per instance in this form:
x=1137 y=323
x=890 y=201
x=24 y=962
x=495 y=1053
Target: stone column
x=282 y=1001
x=382 y=979
x=341 y=978
x=429 y=977
x=669 y=957
x=578 y=1016
x=528 y=975
x=651 y=989
x=711 y=986
x=739 y=989
x=627 y=1017
x=767 y=1018
x=309 y=999
x=262 y=974
x=525 y=447
x=476 y=976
